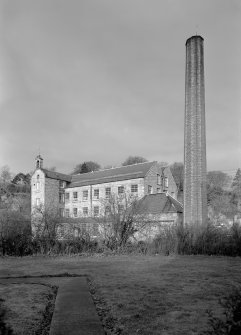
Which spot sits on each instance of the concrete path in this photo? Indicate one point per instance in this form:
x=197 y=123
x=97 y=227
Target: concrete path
x=74 y=312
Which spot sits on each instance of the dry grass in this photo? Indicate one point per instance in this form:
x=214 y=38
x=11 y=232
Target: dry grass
x=145 y=294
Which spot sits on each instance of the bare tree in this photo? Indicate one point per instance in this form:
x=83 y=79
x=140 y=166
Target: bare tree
x=5 y=175
x=218 y=179
x=45 y=222
x=123 y=217
x=177 y=169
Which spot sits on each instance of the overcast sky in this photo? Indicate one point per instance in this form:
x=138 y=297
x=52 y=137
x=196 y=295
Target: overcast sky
x=102 y=79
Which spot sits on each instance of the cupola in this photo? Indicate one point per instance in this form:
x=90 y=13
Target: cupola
x=39 y=162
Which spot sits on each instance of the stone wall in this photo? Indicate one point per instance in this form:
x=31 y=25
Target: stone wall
x=102 y=202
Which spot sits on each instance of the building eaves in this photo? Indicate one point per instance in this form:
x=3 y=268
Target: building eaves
x=111 y=175
x=57 y=175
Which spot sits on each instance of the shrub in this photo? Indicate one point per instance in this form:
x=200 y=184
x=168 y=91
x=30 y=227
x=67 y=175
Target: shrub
x=230 y=322
x=212 y=240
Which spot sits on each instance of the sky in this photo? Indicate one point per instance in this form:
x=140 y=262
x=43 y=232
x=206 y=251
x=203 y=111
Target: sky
x=101 y=80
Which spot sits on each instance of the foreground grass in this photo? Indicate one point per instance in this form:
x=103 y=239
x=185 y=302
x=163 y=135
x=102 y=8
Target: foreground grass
x=145 y=294
x=23 y=308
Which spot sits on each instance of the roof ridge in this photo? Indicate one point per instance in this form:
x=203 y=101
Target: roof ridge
x=113 y=168
x=43 y=169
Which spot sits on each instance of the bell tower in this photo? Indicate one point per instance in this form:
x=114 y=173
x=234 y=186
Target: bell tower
x=39 y=162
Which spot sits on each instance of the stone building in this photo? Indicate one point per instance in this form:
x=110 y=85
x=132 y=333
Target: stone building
x=87 y=195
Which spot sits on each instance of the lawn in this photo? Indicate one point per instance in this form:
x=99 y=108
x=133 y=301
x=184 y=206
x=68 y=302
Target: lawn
x=23 y=308
x=145 y=294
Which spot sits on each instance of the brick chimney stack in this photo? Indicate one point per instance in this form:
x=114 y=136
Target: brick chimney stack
x=195 y=193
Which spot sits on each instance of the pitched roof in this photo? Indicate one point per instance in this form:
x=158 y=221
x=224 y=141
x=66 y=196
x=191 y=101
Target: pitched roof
x=159 y=203
x=116 y=174
x=56 y=175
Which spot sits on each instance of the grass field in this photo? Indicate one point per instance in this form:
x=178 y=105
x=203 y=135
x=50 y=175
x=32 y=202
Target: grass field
x=24 y=307
x=145 y=294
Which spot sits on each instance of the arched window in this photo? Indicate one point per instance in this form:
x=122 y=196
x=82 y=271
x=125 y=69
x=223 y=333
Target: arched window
x=38 y=183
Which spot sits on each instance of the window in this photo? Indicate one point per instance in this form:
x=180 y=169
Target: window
x=61 y=184
x=85 y=210
x=75 y=196
x=166 y=182
x=37 y=201
x=38 y=185
x=96 y=194
x=85 y=195
x=67 y=213
x=107 y=210
x=75 y=212
x=107 y=192
x=158 y=190
x=61 y=212
x=61 y=198
x=66 y=197
x=158 y=179
x=134 y=188
x=120 y=189
x=149 y=189
x=96 y=210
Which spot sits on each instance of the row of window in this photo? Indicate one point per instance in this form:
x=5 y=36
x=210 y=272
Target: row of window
x=96 y=193
x=85 y=211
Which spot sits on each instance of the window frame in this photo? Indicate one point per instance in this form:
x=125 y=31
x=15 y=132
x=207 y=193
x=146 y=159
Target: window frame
x=96 y=196
x=134 y=188
x=108 y=192
x=75 y=195
x=67 y=212
x=37 y=202
x=121 y=187
x=94 y=210
x=66 y=196
x=149 y=189
x=85 y=195
x=84 y=210
x=75 y=212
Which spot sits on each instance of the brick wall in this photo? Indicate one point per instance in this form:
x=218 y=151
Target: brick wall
x=195 y=197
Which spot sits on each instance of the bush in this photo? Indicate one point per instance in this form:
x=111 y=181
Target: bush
x=230 y=322
x=45 y=246
x=211 y=241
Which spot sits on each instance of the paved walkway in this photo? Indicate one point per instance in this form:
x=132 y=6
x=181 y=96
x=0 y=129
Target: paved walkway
x=74 y=312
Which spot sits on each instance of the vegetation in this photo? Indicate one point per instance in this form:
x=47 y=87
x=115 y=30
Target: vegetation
x=119 y=224
x=134 y=160
x=177 y=170
x=143 y=294
x=86 y=167
x=26 y=308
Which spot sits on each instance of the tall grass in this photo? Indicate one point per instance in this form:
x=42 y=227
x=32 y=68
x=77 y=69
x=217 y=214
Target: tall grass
x=212 y=240
x=174 y=239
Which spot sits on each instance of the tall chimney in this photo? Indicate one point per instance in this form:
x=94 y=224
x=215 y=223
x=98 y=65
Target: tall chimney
x=195 y=193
